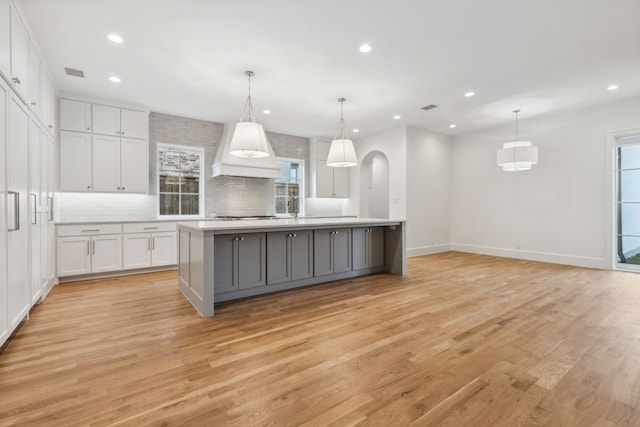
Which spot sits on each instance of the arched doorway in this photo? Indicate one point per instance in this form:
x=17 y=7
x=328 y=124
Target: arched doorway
x=374 y=186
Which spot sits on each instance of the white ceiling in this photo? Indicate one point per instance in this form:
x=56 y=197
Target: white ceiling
x=188 y=57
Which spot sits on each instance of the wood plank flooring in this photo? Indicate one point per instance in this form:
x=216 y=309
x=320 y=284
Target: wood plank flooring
x=462 y=340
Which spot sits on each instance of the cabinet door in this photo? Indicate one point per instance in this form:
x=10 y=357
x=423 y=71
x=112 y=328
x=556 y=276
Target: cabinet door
x=224 y=268
x=75 y=115
x=4 y=304
x=19 y=290
x=340 y=182
x=322 y=252
x=133 y=124
x=136 y=249
x=301 y=254
x=106 y=253
x=106 y=163
x=163 y=249
x=35 y=209
x=134 y=172
x=19 y=56
x=252 y=260
x=49 y=102
x=106 y=120
x=5 y=38
x=360 y=248
x=74 y=255
x=278 y=257
x=342 y=250
x=35 y=95
x=376 y=245
x=324 y=179
x=75 y=161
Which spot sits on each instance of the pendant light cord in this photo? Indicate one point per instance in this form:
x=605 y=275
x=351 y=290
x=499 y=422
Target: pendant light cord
x=248 y=104
x=342 y=135
x=516 y=111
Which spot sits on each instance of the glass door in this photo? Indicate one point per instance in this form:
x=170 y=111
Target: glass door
x=628 y=202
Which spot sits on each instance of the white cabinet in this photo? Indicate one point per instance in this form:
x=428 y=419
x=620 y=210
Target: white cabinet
x=149 y=245
x=19 y=56
x=35 y=81
x=5 y=331
x=35 y=209
x=75 y=115
x=326 y=181
x=116 y=163
x=89 y=248
x=5 y=38
x=75 y=161
x=115 y=121
x=48 y=103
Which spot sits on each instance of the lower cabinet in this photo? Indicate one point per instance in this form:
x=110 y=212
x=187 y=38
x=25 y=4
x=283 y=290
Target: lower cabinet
x=149 y=245
x=331 y=251
x=289 y=256
x=239 y=261
x=368 y=247
x=89 y=254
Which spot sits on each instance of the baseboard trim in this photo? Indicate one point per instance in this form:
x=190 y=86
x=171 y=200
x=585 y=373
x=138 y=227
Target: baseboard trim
x=554 y=258
x=427 y=250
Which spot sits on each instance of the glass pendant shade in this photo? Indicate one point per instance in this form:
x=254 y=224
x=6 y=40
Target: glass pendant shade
x=341 y=153
x=517 y=156
x=249 y=139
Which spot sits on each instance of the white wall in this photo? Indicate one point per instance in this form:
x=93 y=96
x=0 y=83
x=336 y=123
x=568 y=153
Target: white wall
x=392 y=144
x=428 y=191
x=559 y=211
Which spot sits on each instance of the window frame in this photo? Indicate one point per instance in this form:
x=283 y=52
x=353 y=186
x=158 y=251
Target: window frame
x=301 y=197
x=201 y=198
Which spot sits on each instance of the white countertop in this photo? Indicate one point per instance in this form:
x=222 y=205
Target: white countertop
x=133 y=221
x=285 y=223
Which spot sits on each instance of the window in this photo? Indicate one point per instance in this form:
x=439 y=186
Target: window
x=290 y=187
x=628 y=201
x=180 y=186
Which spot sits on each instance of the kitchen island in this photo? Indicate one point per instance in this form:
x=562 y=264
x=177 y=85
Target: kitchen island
x=225 y=260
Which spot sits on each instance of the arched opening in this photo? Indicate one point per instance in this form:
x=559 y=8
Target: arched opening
x=374 y=186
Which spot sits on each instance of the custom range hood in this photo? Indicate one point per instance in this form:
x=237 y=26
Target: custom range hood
x=251 y=167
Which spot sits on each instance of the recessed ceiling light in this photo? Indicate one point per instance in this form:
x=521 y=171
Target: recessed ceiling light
x=612 y=87
x=115 y=79
x=452 y=126
x=266 y=111
x=397 y=117
x=356 y=130
x=365 y=48
x=469 y=94
x=115 y=38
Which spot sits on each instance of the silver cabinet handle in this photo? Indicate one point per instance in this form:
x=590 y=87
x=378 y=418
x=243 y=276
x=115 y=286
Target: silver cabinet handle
x=148 y=243
x=15 y=221
x=15 y=80
x=293 y=235
x=88 y=187
x=88 y=247
x=50 y=126
x=97 y=230
x=88 y=128
x=153 y=243
x=50 y=201
x=34 y=213
x=33 y=104
x=242 y=238
x=94 y=246
x=151 y=228
x=122 y=133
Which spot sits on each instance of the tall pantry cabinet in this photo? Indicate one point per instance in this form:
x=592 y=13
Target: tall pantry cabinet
x=27 y=172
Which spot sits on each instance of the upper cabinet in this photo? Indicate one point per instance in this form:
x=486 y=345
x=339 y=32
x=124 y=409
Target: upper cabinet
x=35 y=82
x=5 y=38
x=119 y=122
x=19 y=74
x=326 y=181
x=75 y=115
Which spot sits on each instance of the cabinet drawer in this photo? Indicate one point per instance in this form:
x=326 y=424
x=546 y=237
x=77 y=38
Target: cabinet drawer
x=88 y=229
x=149 y=227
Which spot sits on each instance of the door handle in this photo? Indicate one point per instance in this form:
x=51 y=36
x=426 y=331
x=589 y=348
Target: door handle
x=34 y=213
x=15 y=221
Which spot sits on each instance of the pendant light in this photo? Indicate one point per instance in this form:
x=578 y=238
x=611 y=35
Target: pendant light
x=341 y=153
x=517 y=155
x=249 y=139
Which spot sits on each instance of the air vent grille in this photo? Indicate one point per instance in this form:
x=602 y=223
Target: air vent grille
x=429 y=107
x=73 y=72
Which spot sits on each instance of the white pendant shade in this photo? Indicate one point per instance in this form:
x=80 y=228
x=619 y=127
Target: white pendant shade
x=249 y=140
x=342 y=154
x=517 y=156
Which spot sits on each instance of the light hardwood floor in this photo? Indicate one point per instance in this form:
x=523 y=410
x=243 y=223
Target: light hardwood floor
x=463 y=340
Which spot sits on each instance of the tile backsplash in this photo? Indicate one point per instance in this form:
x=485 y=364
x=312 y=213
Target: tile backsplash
x=223 y=195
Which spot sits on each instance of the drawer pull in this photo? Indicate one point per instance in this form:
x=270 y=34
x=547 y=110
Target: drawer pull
x=151 y=228
x=90 y=231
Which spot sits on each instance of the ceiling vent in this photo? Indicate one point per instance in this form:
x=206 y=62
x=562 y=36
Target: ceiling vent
x=73 y=72
x=429 y=107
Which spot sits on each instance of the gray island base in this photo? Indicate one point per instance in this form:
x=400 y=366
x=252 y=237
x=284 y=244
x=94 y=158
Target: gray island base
x=225 y=260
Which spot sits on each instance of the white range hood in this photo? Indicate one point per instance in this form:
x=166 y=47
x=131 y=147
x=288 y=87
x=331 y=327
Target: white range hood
x=226 y=164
